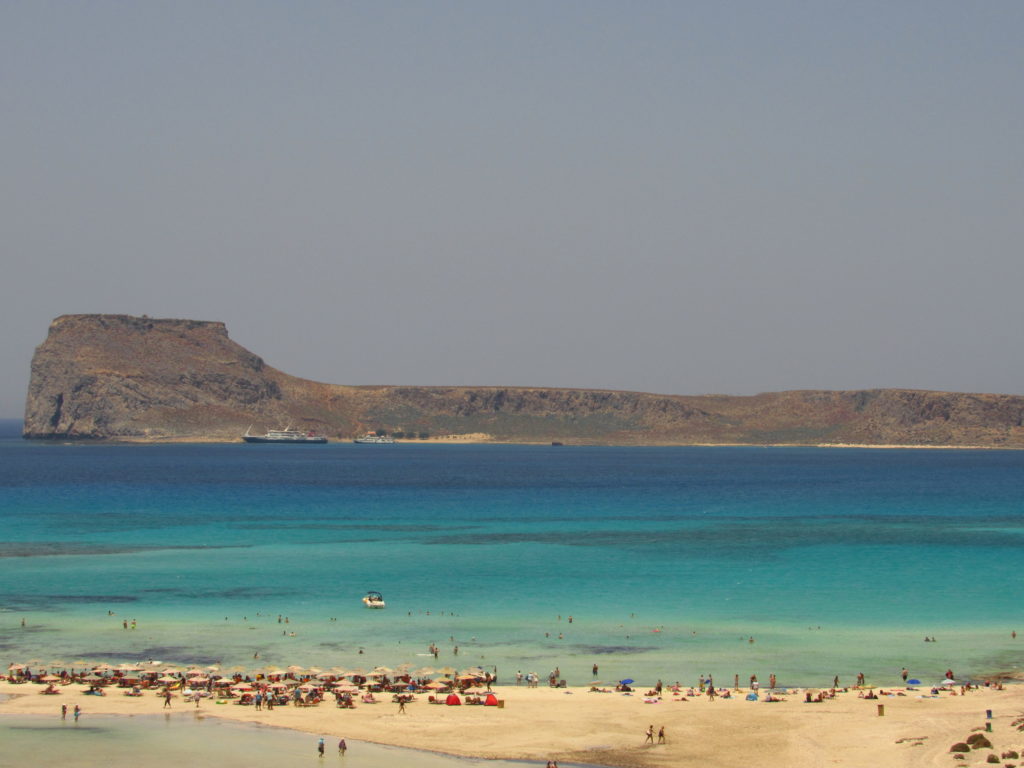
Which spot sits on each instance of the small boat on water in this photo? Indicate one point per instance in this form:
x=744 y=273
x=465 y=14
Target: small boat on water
x=372 y=438
x=374 y=600
x=288 y=435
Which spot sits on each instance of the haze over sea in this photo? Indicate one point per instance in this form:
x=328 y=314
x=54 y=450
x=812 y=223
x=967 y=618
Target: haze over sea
x=835 y=561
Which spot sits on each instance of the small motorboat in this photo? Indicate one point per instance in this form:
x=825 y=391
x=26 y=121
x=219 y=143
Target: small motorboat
x=374 y=600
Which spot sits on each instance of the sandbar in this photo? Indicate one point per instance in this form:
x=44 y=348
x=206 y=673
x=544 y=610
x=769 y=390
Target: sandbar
x=578 y=725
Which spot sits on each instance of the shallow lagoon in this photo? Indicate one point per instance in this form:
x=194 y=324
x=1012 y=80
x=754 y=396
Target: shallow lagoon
x=172 y=741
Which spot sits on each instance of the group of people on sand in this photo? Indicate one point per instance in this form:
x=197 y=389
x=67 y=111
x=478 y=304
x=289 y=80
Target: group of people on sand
x=649 y=735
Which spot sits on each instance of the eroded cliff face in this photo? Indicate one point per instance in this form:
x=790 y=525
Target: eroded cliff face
x=102 y=376
x=122 y=377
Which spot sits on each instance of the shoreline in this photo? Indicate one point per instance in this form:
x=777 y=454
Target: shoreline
x=480 y=438
x=580 y=726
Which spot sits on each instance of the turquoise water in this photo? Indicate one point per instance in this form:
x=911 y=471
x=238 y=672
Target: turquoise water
x=171 y=741
x=668 y=559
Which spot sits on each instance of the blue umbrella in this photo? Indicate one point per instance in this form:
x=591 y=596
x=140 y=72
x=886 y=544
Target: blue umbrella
x=627 y=681
x=913 y=682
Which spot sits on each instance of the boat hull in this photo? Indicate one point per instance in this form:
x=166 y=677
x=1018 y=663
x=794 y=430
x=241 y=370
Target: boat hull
x=285 y=440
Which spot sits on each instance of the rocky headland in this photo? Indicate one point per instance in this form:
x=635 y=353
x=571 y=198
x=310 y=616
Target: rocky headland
x=117 y=377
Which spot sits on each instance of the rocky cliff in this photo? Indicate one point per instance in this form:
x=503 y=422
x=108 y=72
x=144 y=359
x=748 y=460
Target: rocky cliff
x=121 y=377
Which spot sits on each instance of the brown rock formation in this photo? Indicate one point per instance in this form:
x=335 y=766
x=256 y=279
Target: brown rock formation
x=121 y=377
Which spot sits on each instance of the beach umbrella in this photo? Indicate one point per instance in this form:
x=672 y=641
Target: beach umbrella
x=326 y=676
x=278 y=686
x=425 y=671
x=50 y=678
x=241 y=687
x=167 y=679
x=355 y=673
x=948 y=682
x=382 y=670
x=295 y=668
x=447 y=670
x=464 y=678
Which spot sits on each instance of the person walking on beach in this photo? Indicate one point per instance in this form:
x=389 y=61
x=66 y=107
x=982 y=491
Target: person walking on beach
x=320 y=747
x=78 y=712
x=649 y=735
x=167 y=699
x=401 y=705
x=661 y=735
x=342 y=747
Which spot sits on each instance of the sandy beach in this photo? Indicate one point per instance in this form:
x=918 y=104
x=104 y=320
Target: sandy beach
x=578 y=725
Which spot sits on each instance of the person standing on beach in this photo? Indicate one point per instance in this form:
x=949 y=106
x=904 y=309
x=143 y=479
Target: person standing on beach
x=661 y=735
x=649 y=734
x=63 y=711
x=594 y=670
x=78 y=712
x=167 y=699
x=320 y=747
x=342 y=747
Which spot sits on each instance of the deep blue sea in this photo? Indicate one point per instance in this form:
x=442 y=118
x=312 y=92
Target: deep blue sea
x=668 y=560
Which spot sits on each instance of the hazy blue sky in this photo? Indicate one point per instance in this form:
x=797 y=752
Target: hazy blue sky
x=665 y=196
